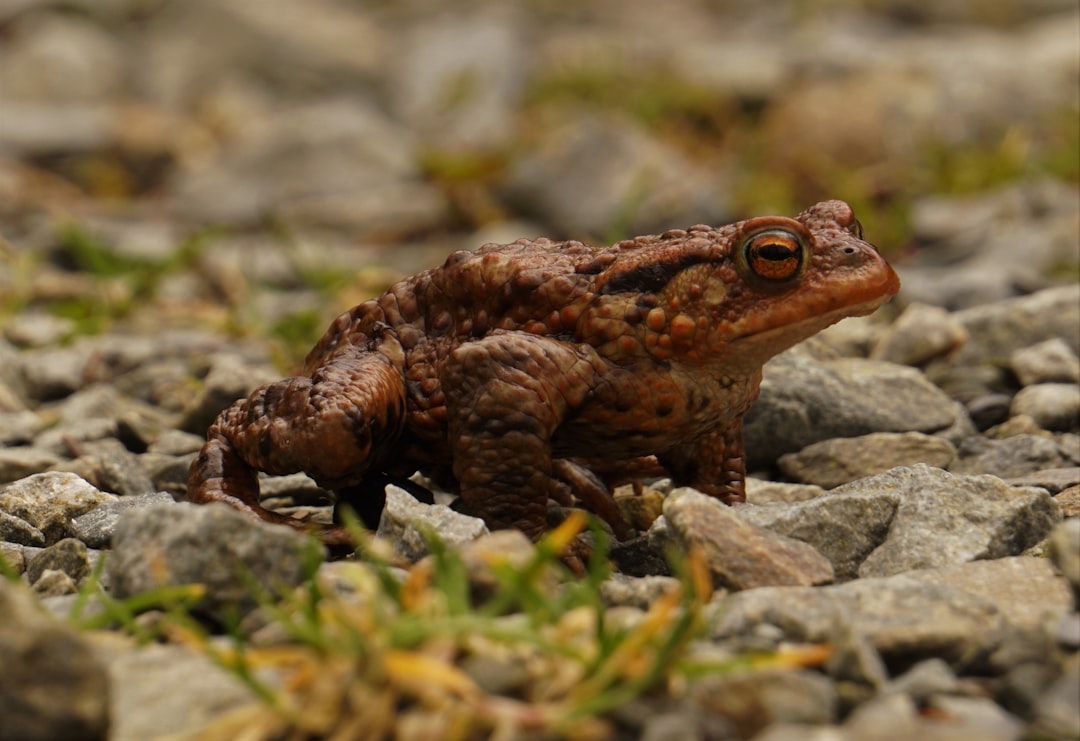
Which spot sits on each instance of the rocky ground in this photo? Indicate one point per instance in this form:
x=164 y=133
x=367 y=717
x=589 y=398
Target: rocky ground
x=190 y=191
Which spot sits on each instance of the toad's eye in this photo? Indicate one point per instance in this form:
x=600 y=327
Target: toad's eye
x=774 y=255
x=855 y=228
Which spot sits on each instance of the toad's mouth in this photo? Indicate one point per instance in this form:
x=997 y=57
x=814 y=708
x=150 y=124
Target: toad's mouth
x=784 y=331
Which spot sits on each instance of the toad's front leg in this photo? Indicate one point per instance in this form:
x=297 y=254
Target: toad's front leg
x=714 y=463
x=332 y=426
x=506 y=394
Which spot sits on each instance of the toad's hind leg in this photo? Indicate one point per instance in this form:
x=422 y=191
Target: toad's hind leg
x=506 y=394
x=332 y=426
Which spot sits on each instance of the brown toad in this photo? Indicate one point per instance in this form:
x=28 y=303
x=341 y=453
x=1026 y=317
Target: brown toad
x=526 y=370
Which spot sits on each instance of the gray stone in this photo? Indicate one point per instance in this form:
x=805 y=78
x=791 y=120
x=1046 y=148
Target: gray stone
x=229 y=553
x=229 y=379
x=974 y=260
x=53 y=372
x=38 y=329
x=16 y=530
x=804 y=401
x=844 y=527
x=307 y=162
x=13 y=392
x=997 y=330
x=169 y=473
x=95 y=528
x=1053 y=406
x=759 y=491
x=112 y=468
x=1054 y=480
x=641 y=592
x=987 y=410
x=920 y=334
x=19 y=428
x=458 y=78
x=293 y=48
x=52 y=686
x=831 y=463
x=1026 y=592
x=164 y=690
x=1050 y=361
x=946 y=519
x=854 y=659
x=928 y=677
x=1063 y=548
x=54 y=583
x=406 y=523
x=1057 y=713
x=740 y=555
x=176 y=443
x=50 y=501
x=802 y=732
x=1017 y=455
x=18 y=463
x=751 y=701
x=959 y=614
x=61 y=58
x=68 y=556
x=977 y=717
x=41 y=128
x=592 y=174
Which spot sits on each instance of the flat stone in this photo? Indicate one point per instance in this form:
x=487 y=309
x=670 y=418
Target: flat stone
x=228 y=552
x=1016 y=455
x=960 y=614
x=741 y=555
x=804 y=400
x=831 y=463
x=946 y=519
x=845 y=527
x=1054 y=480
x=1026 y=591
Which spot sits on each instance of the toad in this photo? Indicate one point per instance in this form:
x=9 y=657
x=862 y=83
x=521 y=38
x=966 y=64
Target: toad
x=536 y=370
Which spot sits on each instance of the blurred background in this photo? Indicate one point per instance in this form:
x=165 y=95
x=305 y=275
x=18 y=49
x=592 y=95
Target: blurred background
x=257 y=166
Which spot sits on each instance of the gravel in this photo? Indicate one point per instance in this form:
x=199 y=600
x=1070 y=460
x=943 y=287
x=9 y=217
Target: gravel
x=176 y=180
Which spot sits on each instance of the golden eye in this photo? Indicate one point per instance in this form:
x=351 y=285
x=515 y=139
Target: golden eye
x=855 y=228
x=774 y=255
